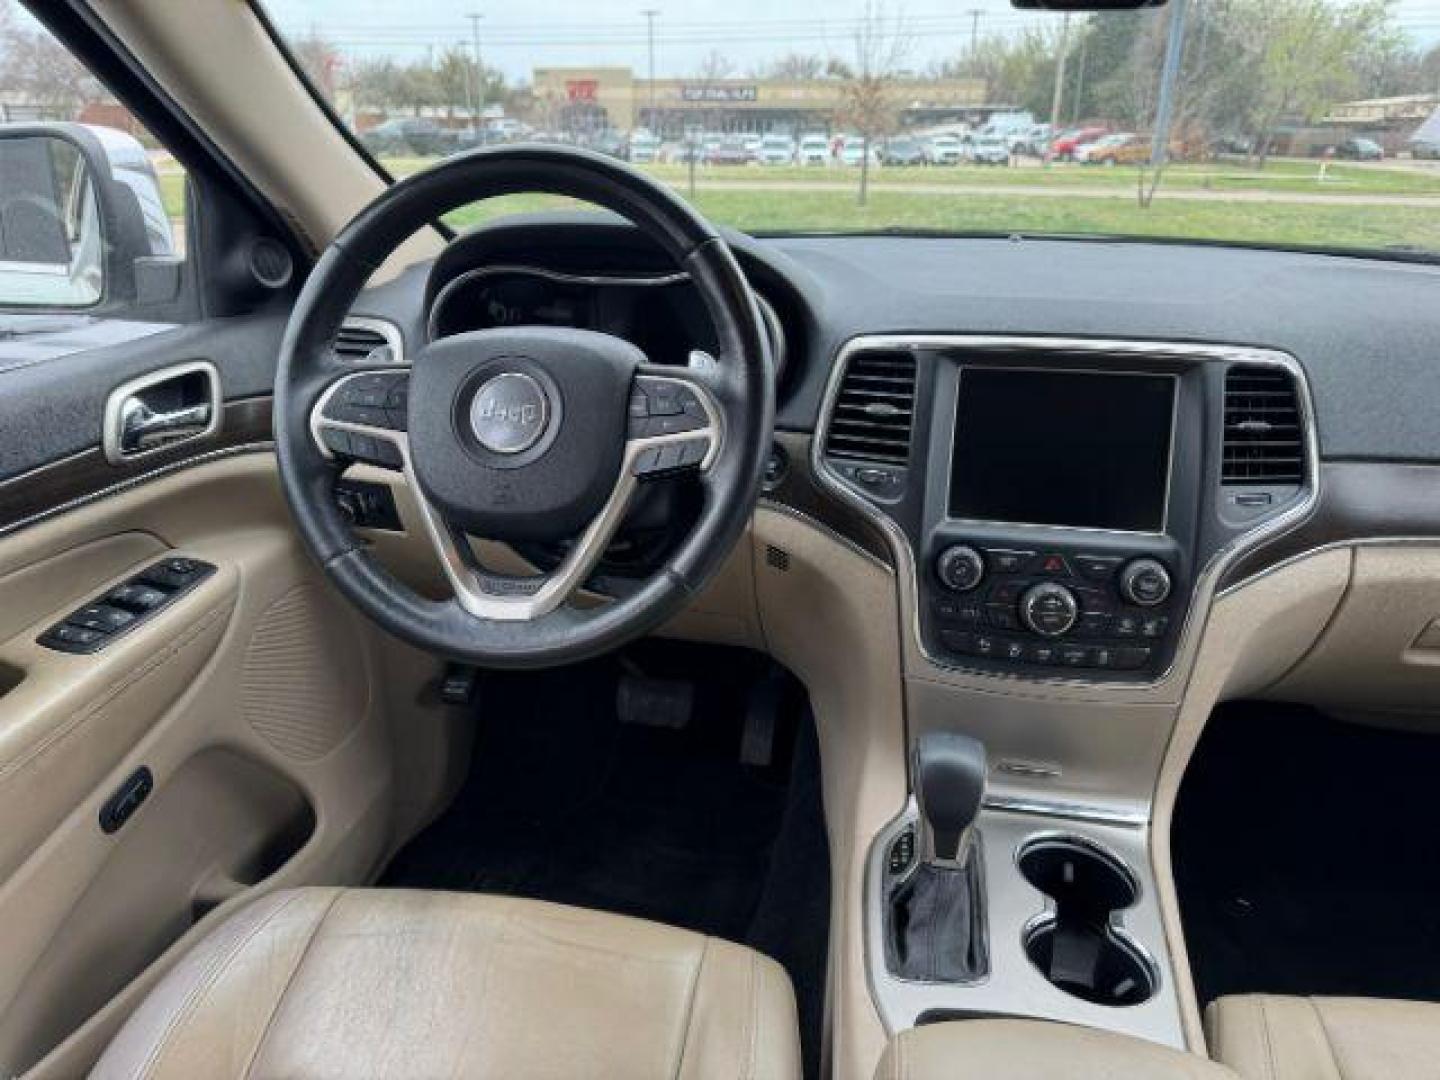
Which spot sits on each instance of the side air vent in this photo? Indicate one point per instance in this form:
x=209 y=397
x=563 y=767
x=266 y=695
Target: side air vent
x=1264 y=442
x=370 y=340
x=874 y=409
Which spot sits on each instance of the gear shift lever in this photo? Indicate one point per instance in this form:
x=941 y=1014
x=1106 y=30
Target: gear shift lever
x=949 y=785
x=935 y=914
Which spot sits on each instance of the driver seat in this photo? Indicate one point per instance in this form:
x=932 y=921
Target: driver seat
x=323 y=982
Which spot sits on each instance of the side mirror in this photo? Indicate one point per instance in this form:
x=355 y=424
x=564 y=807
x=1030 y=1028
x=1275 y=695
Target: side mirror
x=82 y=220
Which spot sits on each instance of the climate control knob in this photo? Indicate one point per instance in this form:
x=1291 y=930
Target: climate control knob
x=1145 y=582
x=1048 y=609
x=960 y=568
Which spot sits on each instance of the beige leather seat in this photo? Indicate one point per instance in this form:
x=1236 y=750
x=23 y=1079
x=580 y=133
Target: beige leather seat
x=1267 y=1037
x=371 y=983
x=1034 y=1050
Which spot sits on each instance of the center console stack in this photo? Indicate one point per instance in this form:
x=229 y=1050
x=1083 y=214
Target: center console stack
x=1060 y=499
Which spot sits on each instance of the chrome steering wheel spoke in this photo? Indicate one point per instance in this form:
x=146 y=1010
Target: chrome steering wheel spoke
x=674 y=428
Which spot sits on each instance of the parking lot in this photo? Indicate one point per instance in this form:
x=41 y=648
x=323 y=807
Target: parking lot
x=1290 y=202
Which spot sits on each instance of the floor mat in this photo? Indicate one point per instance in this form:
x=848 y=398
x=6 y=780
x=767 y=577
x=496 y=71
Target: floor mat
x=1307 y=859
x=564 y=802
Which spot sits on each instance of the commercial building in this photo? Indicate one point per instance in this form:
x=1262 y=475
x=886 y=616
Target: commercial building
x=580 y=101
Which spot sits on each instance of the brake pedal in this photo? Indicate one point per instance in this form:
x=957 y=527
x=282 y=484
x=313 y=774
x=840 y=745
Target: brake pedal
x=655 y=703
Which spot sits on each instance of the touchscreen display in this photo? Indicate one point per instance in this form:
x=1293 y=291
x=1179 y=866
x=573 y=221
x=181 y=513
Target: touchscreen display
x=1062 y=448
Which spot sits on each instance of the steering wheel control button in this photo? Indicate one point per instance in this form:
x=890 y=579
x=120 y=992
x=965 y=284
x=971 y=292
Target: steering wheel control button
x=1049 y=610
x=960 y=568
x=1145 y=582
x=376 y=400
x=671 y=457
x=509 y=413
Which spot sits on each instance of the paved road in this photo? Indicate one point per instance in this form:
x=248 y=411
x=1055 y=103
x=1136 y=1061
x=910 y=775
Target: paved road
x=1057 y=191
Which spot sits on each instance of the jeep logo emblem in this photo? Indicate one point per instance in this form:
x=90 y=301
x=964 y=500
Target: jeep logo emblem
x=509 y=413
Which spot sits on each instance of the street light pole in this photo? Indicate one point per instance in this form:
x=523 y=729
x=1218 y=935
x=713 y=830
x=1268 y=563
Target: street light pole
x=475 y=18
x=650 y=14
x=974 y=14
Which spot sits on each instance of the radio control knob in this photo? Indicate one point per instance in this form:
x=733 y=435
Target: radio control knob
x=1145 y=582
x=1049 y=610
x=960 y=568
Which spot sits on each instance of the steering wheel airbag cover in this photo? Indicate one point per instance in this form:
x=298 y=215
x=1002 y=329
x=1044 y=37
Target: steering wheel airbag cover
x=557 y=483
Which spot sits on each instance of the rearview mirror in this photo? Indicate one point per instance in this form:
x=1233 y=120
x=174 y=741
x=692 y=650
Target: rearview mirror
x=1086 y=5
x=81 y=218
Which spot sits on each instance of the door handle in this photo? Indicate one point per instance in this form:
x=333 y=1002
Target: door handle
x=161 y=409
x=142 y=428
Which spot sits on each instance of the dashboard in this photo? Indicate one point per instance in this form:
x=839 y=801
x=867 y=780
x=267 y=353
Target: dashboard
x=1064 y=448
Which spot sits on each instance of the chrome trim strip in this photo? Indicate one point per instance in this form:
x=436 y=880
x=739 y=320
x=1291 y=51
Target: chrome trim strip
x=1209 y=574
x=1095 y=815
x=554 y=588
x=386 y=329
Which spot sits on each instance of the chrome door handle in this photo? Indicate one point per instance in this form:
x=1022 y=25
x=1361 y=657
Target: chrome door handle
x=158 y=410
x=142 y=428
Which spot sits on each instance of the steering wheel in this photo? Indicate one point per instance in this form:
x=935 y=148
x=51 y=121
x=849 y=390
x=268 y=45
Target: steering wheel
x=523 y=433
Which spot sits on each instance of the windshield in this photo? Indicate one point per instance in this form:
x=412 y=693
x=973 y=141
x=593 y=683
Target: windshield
x=1304 y=123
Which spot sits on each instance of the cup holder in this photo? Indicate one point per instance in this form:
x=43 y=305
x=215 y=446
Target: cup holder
x=1077 y=946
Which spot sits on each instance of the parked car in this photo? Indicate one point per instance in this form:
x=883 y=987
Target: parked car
x=1360 y=150
x=855 y=150
x=1123 y=147
x=813 y=150
x=1033 y=142
x=945 y=150
x=730 y=151
x=410 y=135
x=989 y=150
x=1425 y=149
x=903 y=151
x=1068 y=142
x=644 y=148
x=776 y=150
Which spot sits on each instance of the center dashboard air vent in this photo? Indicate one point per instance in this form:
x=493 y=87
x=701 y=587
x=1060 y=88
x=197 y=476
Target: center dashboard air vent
x=1264 y=443
x=872 y=419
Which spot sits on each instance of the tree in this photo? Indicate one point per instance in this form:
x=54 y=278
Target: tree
x=795 y=67
x=1303 y=58
x=455 y=81
x=868 y=99
x=42 y=70
x=319 y=60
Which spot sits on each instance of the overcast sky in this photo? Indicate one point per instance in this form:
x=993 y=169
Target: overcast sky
x=517 y=37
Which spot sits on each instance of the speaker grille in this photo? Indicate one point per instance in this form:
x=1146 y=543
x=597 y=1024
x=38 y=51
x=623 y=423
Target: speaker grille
x=301 y=688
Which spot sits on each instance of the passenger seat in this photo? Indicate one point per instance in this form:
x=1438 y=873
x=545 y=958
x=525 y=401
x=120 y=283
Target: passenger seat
x=1269 y=1037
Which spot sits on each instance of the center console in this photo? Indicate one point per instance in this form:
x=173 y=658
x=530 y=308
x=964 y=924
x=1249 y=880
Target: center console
x=1060 y=512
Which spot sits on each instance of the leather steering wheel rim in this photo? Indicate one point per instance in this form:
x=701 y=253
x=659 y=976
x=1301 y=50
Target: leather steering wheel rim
x=739 y=387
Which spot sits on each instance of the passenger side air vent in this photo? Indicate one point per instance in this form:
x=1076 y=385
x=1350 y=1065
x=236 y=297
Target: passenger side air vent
x=874 y=410
x=359 y=340
x=1264 y=440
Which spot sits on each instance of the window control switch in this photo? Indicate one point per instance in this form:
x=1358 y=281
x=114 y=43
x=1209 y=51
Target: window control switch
x=90 y=628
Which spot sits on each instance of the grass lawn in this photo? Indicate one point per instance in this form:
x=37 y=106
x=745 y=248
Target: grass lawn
x=810 y=211
x=807 y=209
